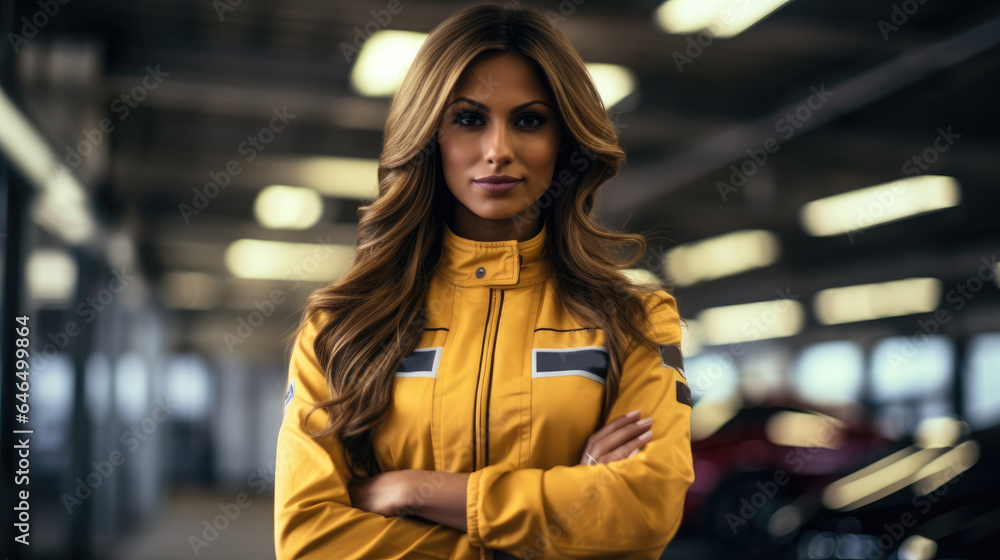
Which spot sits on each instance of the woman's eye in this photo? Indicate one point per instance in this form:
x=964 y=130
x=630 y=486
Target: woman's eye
x=473 y=119
x=461 y=118
x=535 y=119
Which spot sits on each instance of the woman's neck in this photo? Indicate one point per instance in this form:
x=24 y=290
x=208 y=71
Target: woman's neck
x=466 y=224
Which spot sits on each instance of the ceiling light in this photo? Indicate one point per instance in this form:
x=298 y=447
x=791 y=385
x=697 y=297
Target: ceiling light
x=51 y=276
x=62 y=205
x=721 y=256
x=723 y=18
x=284 y=207
x=342 y=177
x=613 y=82
x=641 y=276
x=871 y=206
x=277 y=260
x=864 y=302
x=387 y=55
x=751 y=321
x=383 y=61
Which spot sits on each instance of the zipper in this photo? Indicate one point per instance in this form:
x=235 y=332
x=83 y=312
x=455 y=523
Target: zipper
x=482 y=449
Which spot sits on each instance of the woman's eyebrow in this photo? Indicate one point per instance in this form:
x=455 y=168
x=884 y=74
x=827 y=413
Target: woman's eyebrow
x=487 y=109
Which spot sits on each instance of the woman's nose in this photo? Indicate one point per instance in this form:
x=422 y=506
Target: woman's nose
x=498 y=148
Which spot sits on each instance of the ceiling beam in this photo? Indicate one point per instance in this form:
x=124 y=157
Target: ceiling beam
x=644 y=184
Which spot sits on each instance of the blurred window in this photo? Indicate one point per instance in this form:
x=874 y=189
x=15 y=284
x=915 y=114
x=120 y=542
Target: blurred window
x=51 y=406
x=764 y=370
x=712 y=376
x=830 y=372
x=911 y=381
x=188 y=386
x=917 y=367
x=131 y=387
x=982 y=392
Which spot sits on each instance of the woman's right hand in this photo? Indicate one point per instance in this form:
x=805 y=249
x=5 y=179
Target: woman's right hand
x=619 y=439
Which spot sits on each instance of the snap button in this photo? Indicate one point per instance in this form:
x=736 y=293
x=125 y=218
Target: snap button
x=480 y=272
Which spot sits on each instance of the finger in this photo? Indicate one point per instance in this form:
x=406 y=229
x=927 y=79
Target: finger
x=625 y=451
x=614 y=425
x=623 y=435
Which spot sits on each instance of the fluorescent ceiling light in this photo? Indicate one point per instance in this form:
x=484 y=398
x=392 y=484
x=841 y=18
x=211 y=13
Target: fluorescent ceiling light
x=277 y=260
x=22 y=144
x=387 y=55
x=62 y=208
x=51 y=276
x=284 y=207
x=613 y=82
x=879 y=204
x=62 y=205
x=342 y=177
x=724 y=18
x=383 y=61
x=641 y=276
x=864 y=302
x=721 y=256
x=751 y=321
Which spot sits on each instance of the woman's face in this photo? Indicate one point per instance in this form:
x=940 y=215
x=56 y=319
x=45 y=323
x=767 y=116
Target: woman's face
x=500 y=121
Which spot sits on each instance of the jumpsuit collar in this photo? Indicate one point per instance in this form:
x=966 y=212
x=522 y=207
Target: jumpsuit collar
x=466 y=262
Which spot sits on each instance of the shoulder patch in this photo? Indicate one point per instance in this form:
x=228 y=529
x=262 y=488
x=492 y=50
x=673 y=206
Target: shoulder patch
x=683 y=394
x=289 y=393
x=670 y=356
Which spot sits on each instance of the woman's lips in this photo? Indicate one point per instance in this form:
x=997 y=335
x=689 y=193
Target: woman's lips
x=497 y=187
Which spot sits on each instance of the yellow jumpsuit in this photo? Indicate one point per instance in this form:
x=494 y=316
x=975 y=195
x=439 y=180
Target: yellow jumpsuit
x=502 y=364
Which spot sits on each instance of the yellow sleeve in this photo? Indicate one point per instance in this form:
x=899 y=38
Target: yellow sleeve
x=627 y=509
x=313 y=516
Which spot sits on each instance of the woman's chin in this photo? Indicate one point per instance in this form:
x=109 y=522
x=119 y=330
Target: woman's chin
x=497 y=212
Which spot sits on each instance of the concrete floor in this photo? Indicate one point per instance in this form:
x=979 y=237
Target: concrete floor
x=180 y=530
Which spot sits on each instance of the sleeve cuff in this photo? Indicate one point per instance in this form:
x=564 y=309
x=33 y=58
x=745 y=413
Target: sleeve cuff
x=472 y=508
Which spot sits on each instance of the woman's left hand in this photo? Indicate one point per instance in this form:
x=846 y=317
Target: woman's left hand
x=385 y=493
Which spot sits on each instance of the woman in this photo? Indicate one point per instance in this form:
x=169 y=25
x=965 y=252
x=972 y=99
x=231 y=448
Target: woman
x=450 y=396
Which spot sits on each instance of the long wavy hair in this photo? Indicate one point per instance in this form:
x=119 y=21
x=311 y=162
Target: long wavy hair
x=375 y=313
